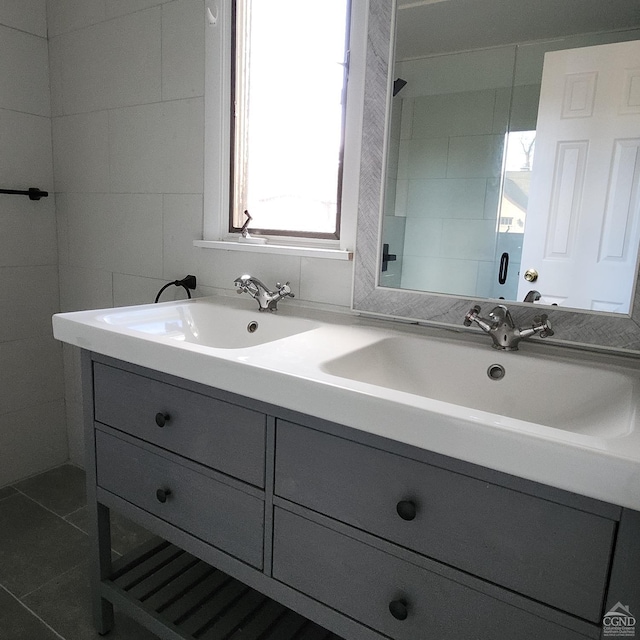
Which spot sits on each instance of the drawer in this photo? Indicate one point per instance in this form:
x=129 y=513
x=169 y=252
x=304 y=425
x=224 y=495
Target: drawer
x=223 y=516
x=218 y=434
x=546 y=551
x=362 y=582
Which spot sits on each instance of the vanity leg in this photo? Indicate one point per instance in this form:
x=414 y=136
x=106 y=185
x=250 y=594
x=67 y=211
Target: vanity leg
x=99 y=524
x=100 y=568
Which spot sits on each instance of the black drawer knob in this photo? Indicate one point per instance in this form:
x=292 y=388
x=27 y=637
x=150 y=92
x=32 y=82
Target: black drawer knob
x=163 y=494
x=406 y=509
x=399 y=609
x=162 y=418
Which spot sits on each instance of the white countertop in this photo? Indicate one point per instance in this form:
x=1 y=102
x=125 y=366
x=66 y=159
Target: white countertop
x=601 y=460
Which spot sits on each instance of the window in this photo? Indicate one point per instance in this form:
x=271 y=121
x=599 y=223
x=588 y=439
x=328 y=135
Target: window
x=289 y=111
x=520 y=147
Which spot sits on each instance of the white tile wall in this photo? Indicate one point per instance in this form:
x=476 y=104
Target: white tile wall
x=455 y=198
x=157 y=148
x=182 y=224
x=457 y=114
x=111 y=64
x=469 y=239
x=31 y=440
x=85 y=288
x=475 y=157
x=442 y=275
x=31 y=373
x=24 y=72
x=501 y=115
x=27 y=315
x=73 y=403
x=458 y=72
x=219 y=269
x=26 y=15
x=524 y=112
x=183 y=49
x=75 y=431
x=81 y=152
x=492 y=198
x=26 y=157
x=69 y=15
x=487 y=285
x=123 y=7
x=28 y=230
x=327 y=281
x=426 y=158
x=402 y=196
x=423 y=237
x=116 y=232
x=32 y=425
x=129 y=290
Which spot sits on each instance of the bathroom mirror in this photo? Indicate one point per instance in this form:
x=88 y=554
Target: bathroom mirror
x=482 y=31
x=472 y=160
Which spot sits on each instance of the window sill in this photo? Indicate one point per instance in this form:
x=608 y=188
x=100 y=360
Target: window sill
x=279 y=249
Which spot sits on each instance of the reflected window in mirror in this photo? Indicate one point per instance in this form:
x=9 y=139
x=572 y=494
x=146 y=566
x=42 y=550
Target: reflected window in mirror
x=288 y=116
x=461 y=147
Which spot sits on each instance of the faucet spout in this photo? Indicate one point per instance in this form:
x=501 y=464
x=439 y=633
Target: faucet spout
x=500 y=315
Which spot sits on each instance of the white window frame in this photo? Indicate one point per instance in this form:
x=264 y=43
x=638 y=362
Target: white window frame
x=217 y=139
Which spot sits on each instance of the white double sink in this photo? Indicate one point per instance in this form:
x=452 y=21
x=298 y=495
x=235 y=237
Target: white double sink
x=564 y=418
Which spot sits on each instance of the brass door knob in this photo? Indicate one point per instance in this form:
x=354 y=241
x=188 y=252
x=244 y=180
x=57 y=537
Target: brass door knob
x=530 y=275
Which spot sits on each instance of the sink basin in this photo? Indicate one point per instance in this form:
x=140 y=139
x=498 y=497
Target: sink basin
x=545 y=390
x=206 y=323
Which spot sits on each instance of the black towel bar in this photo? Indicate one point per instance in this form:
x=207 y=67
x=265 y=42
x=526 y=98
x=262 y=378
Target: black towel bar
x=32 y=192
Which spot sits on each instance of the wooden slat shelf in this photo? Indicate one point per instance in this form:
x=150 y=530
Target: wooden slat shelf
x=198 y=602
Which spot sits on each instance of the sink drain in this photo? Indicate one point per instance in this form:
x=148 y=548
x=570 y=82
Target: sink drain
x=496 y=372
x=252 y=327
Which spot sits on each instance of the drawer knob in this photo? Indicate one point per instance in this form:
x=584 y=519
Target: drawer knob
x=406 y=509
x=163 y=494
x=162 y=418
x=399 y=609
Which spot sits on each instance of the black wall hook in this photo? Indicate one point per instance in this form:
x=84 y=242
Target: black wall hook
x=32 y=192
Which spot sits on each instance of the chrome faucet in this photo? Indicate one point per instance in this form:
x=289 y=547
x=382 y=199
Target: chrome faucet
x=267 y=300
x=502 y=329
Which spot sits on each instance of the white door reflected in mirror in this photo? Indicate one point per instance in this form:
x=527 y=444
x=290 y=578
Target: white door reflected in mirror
x=583 y=222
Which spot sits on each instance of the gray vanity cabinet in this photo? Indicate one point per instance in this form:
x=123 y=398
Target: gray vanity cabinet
x=367 y=537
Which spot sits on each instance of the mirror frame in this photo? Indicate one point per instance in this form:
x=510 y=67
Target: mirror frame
x=577 y=328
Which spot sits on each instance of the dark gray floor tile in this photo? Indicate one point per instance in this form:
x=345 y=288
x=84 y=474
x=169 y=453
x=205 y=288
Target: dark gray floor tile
x=64 y=603
x=5 y=492
x=17 y=623
x=125 y=534
x=35 y=545
x=61 y=489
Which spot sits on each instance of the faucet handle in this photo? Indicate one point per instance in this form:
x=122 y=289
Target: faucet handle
x=284 y=290
x=471 y=315
x=542 y=321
